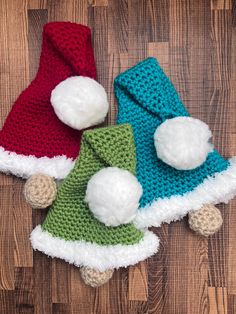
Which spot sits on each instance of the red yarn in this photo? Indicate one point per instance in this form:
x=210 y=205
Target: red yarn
x=32 y=127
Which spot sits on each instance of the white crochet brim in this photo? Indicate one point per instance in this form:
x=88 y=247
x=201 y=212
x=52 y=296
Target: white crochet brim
x=24 y=166
x=101 y=258
x=219 y=188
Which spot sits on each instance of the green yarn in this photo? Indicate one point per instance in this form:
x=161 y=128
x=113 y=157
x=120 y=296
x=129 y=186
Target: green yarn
x=69 y=217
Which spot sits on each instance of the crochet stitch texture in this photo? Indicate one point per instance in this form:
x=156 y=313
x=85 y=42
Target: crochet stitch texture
x=94 y=278
x=32 y=127
x=40 y=191
x=70 y=230
x=146 y=98
x=69 y=217
x=206 y=221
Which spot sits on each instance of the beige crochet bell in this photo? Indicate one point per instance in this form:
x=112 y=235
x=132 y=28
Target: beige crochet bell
x=95 y=278
x=40 y=191
x=206 y=221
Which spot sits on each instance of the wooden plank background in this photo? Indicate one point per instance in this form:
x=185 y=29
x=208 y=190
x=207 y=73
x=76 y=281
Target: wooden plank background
x=195 y=41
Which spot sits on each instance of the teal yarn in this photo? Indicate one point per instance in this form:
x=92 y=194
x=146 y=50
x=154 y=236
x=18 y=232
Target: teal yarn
x=146 y=98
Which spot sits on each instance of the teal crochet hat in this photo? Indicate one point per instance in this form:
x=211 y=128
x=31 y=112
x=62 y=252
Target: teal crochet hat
x=87 y=224
x=178 y=167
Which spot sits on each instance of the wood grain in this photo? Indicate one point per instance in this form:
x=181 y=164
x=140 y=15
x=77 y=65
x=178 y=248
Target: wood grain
x=24 y=297
x=7 y=301
x=118 y=26
x=157 y=274
x=195 y=43
x=138 y=282
x=97 y=3
x=60 y=283
x=218 y=300
x=231 y=304
x=160 y=50
x=37 y=4
x=6 y=240
x=221 y=4
x=22 y=216
x=158 y=19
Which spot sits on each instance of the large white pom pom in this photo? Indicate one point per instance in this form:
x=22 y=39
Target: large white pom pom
x=113 y=196
x=80 y=102
x=183 y=142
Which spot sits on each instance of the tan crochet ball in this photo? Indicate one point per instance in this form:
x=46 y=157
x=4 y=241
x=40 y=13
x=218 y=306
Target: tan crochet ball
x=95 y=278
x=206 y=221
x=40 y=191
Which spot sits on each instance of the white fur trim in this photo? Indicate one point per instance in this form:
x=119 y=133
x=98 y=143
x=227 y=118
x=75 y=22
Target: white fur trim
x=23 y=166
x=80 y=102
x=219 y=188
x=183 y=142
x=92 y=255
x=113 y=196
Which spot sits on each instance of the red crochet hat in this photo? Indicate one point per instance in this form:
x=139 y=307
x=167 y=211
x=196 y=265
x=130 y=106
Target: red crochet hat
x=34 y=138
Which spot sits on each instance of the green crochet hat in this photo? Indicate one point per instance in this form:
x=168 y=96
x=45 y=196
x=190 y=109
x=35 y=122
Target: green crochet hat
x=79 y=227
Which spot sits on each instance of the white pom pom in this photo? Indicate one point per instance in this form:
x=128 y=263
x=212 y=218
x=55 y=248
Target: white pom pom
x=80 y=102
x=113 y=196
x=183 y=142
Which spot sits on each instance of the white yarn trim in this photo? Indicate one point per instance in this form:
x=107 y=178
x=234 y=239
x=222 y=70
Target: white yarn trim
x=92 y=255
x=24 y=166
x=219 y=188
